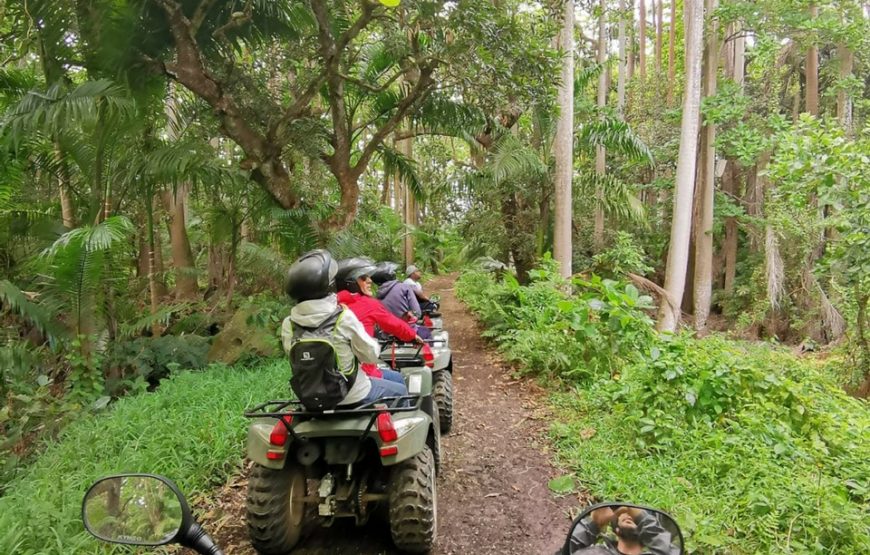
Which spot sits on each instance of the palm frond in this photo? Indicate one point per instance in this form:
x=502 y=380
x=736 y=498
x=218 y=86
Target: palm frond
x=511 y=159
x=15 y=300
x=56 y=109
x=163 y=316
x=619 y=197
x=615 y=135
x=262 y=262
x=442 y=115
x=396 y=163
x=586 y=75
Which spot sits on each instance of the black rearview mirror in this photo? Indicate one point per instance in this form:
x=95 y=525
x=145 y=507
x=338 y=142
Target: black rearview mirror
x=135 y=509
x=143 y=509
x=609 y=528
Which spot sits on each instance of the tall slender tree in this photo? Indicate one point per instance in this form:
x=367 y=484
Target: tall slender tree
x=660 y=13
x=734 y=68
x=621 y=70
x=600 y=152
x=641 y=47
x=812 y=71
x=564 y=144
x=672 y=53
x=703 y=278
x=678 y=249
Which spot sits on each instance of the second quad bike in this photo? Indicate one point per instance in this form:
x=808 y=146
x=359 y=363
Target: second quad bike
x=435 y=354
x=345 y=463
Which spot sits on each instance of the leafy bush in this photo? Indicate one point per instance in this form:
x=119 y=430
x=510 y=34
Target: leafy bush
x=597 y=329
x=751 y=448
x=191 y=429
x=153 y=358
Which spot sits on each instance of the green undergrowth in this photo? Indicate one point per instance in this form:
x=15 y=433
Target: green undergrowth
x=190 y=429
x=753 y=449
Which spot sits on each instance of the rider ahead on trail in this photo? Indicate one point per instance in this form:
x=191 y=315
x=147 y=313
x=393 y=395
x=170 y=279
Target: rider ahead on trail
x=399 y=298
x=355 y=291
x=311 y=282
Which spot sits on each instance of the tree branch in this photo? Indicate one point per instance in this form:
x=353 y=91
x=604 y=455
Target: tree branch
x=416 y=94
x=199 y=15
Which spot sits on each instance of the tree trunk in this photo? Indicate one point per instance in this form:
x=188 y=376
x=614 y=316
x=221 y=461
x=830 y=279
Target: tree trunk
x=641 y=47
x=660 y=13
x=563 y=149
x=703 y=286
x=621 y=72
x=159 y=266
x=600 y=152
x=812 y=73
x=153 y=285
x=409 y=214
x=729 y=247
x=182 y=256
x=844 y=102
x=734 y=67
x=678 y=249
x=67 y=210
x=672 y=54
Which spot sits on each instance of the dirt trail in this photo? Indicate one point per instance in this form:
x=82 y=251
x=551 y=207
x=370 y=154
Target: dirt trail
x=492 y=491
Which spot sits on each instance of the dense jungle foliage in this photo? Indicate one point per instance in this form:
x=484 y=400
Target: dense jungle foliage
x=163 y=161
x=751 y=448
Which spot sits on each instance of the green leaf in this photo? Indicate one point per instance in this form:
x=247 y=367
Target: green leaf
x=562 y=485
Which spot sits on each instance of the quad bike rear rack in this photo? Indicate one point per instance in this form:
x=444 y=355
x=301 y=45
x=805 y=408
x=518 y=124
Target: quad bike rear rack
x=279 y=409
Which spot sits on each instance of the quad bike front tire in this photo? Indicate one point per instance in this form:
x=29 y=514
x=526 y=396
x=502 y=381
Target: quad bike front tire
x=413 y=503
x=442 y=392
x=275 y=509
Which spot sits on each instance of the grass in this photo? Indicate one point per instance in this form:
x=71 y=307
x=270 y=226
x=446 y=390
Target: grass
x=191 y=429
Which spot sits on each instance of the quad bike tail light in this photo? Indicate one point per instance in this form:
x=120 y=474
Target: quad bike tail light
x=428 y=357
x=386 y=429
x=279 y=434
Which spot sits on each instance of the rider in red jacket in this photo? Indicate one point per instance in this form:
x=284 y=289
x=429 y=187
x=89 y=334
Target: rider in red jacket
x=355 y=291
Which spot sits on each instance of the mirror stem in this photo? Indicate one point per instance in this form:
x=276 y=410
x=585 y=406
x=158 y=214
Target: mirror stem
x=199 y=541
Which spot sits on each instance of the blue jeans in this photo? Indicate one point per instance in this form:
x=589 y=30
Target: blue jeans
x=385 y=388
x=392 y=376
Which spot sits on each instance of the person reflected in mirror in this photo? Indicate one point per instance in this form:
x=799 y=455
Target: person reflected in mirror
x=636 y=532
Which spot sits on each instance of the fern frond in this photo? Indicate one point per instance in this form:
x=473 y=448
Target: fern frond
x=15 y=300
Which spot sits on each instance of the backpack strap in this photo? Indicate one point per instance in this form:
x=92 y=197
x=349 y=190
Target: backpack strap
x=332 y=320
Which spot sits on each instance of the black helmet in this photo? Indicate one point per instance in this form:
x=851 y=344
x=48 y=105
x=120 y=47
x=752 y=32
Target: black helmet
x=384 y=272
x=350 y=270
x=312 y=276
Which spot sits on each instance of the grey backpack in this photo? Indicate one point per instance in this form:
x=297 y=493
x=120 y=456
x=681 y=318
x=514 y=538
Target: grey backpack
x=317 y=379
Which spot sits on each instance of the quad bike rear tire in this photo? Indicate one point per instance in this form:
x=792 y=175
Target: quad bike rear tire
x=275 y=510
x=413 y=503
x=442 y=392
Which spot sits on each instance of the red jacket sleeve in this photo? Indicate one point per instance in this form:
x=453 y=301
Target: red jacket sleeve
x=390 y=324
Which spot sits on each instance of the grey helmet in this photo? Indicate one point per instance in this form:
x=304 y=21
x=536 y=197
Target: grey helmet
x=350 y=270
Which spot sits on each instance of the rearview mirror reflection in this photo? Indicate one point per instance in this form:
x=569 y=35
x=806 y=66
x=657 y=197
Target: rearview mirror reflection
x=620 y=528
x=134 y=509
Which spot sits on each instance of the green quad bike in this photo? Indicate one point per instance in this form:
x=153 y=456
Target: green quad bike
x=351 y=462
x=436 y=354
